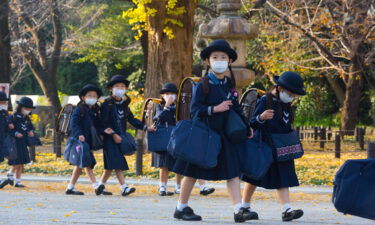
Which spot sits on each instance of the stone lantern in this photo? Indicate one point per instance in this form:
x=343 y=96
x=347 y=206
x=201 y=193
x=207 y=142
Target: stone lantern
x=236 y=30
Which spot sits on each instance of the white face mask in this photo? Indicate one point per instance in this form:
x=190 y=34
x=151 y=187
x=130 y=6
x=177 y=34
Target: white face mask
x=219 y=66
x=26 y=112
x=284 y=97
x=91 y=101
x=119 y=92
x=3 y=107
x=173 y=96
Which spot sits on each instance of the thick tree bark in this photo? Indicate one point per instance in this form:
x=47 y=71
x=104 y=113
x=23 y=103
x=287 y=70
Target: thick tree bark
x=353 y=95
x=5 y=63
x=169 y=60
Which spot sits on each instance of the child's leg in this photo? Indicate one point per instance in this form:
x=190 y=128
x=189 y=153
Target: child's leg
x=248 y=193
x=186 y=188
x=73 y=179
x=234 y=190
x=105 y=176
x=178 y=179
x=163 y=176
x=283 y=194
x=90 y=175
x=120 y=176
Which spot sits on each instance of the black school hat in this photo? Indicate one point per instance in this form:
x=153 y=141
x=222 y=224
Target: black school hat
x=26 y=102
x=219 y=45
x=169 y=87
x=90 y=87
x=291 y=81
x=118 y=79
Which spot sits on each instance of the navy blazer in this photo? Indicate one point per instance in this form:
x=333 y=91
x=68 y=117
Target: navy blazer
x=22 y=124
x=3 y=123
x=274 y=125
x=116 y=116
x=202 y=104
x=165 y=115
x=83 y=117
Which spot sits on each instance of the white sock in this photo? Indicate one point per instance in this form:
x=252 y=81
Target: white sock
x=181 y=206
x=162 y=188
x=237 y=207
x=10 y=175
x=95 y=185
x=123 y=187
x=202 y=187
x=246 y=205
x=177 y=186
x=286 y=206
x=70 y=186
x=18 y=181
x=163 y=184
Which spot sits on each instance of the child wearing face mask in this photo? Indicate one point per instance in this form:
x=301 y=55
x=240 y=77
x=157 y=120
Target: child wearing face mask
x=165 y=116
x=115 y=114
x=84 y=116
x=213 y=97
x=4 y=129
x=20 y=127
x=273 y=114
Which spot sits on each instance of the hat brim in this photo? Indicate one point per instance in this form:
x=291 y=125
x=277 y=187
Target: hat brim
x=208 y=50
x=294 y=91
x=84 y=91
x=27 y=106
x=163 y=91
x=113 y=82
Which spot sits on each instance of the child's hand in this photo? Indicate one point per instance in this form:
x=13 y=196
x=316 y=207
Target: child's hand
x=151 y=128
x=117 y=138
x=11 y=126
x=224 y=106
x=108 y=131
x=81 y=138
x=169 y=100
x=31 y=134
x=267 y=115
x=251 y=133
x=19 y=135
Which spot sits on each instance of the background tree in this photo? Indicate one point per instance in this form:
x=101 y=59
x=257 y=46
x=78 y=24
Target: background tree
x=170 y=27
x=341 y=35
x=5 y=63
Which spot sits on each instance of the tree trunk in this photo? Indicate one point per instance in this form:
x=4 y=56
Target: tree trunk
x=5 y=63
x=353 y=95
x=169 y=60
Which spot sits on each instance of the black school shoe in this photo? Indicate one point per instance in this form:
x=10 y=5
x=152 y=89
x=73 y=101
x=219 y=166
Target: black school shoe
x=245 y=214
x=127 y=191
x=187 y=214
x=207 y=191
x=164 y=192
x=106 y=192
x=99 y=190
x=291 y=215
x=73 y=192
x=4 y=183
x=19 y=185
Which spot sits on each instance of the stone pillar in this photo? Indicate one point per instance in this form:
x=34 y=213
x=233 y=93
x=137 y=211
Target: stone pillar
x=236 y=30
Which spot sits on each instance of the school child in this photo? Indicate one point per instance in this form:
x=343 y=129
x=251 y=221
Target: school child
x=281 y=175
x=3 y=129
x=166 y=116
x=210 y=105
x=84 y=116
x=115 y=114
x=21 y=127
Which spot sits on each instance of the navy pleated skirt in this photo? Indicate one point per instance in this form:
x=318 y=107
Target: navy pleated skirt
x=23 y=156
x=227 y=165
x=162 y=160
x=279 y=175
x=113 y=158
